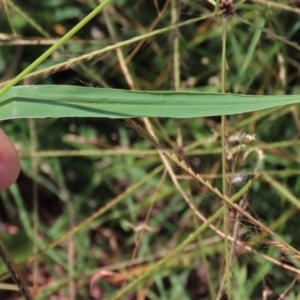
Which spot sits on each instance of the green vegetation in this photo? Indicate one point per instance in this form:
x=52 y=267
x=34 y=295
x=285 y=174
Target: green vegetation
x=165 y=207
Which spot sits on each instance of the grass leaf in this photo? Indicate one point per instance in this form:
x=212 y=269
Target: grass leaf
x=42 y=101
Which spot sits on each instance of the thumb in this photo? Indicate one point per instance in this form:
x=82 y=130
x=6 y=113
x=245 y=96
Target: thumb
x=9 y=162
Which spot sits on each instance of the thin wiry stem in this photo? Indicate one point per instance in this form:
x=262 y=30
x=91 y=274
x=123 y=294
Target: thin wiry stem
x=34 y=163
x=119 y=52
x=175 y=7
x=224 y=181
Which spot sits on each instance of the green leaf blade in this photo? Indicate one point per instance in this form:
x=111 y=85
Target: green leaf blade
x=52 y=101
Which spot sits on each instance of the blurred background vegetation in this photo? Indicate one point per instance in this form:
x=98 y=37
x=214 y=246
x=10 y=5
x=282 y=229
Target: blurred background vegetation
x=73 y=167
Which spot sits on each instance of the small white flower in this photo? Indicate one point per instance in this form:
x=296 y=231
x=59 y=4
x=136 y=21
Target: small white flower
x=238 y=179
